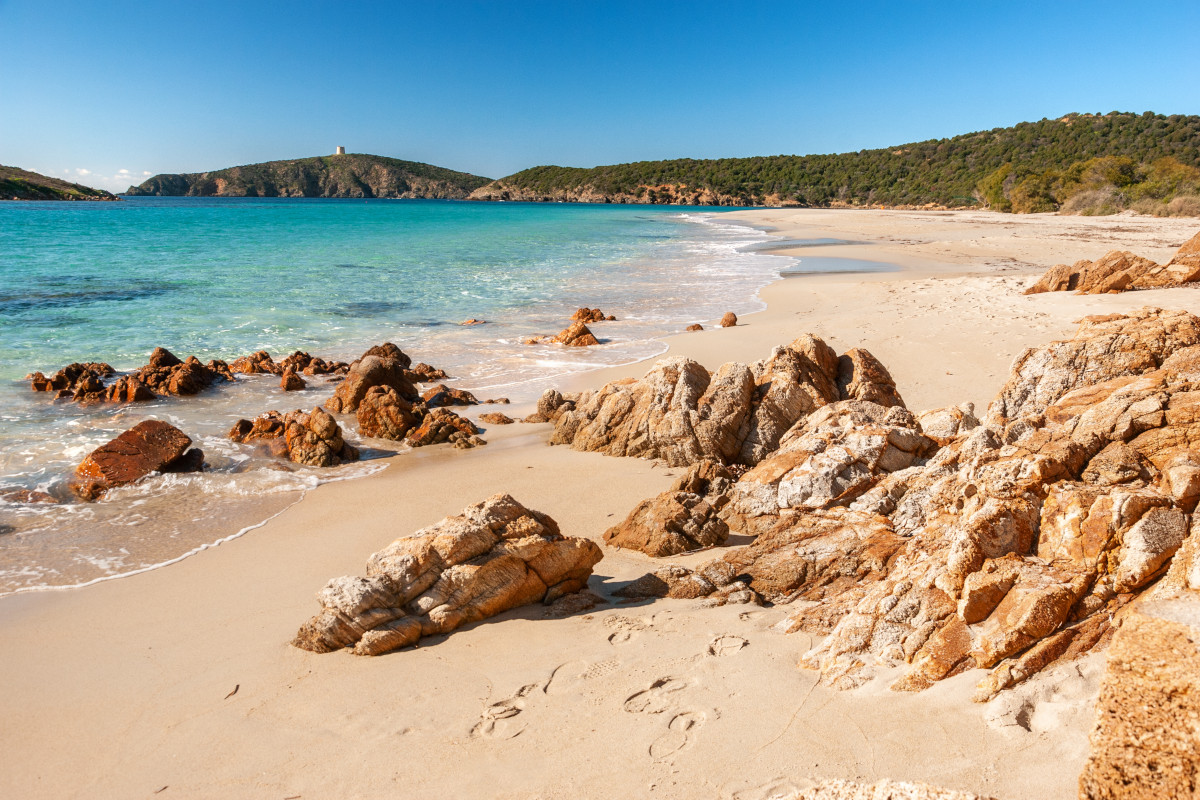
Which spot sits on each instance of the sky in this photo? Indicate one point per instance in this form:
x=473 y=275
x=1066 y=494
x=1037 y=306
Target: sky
x=108 y=92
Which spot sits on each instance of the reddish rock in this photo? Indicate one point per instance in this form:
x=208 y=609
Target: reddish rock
x=165 y=374
x=682 y=519
x=551 y=405
x=259 y=363
x=80 y=382
x=496 y=418
x=591 y=315
x=291 y=382
x=423 y=373
x=695 y=327
x=372 y=370
x=389 y=351
x=267 y=426
x=384 y=414
x=729 y=320
x=129 y=389
x=20 y=495
x=438 y=426
x=150 y=446
x=443 y=395
x=576 y=335
x=315 y=439
x=473 y=321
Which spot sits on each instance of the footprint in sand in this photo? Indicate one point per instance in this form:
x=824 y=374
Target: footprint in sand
x=626 y=628
x=726 y=645
x=776 y=789
x=656 y=699
x=680 y=734
x=501 y=720
x=567 y=678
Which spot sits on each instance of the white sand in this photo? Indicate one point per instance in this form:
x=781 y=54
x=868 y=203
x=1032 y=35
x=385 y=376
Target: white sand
x=119 y=689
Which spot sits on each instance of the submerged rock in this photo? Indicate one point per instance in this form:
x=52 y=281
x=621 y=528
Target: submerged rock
x=495 y=556
x=150 y=446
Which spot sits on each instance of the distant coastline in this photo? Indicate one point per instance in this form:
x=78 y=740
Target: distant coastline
x=21 y=184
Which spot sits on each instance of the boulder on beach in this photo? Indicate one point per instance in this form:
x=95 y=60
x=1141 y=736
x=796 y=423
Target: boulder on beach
x=494 y=556
x=150 y=446
x=695 y=327
x=292 y=382
x=496 y=418
x=441 y=425
x=1120 y=270
x=384 y=414
x=424 y=373
x=728 y=320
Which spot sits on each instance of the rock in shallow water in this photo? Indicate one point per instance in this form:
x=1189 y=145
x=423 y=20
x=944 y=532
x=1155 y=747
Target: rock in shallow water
x=495 y=556
x=150 y=446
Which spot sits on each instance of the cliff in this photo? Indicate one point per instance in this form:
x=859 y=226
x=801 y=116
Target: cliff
x=21 y=184
x=351 y=175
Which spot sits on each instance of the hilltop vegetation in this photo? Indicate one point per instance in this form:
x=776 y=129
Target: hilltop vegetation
x=1031 y=166
x=21 y=184
x=350 y=175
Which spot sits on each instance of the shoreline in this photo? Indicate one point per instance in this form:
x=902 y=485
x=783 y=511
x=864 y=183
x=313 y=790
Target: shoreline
x=142 y=666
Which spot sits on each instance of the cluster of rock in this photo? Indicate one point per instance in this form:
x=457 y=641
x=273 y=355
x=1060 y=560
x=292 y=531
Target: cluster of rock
x=938 y=542
x=495 y=556
x=1120 y=270
x=379 y=390
x=164 y=375
x=681 y=413
x=150 y=446
x=261 y=363
x=592 y=315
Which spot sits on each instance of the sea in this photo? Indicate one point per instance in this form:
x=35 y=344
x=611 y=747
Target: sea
x=224 y=277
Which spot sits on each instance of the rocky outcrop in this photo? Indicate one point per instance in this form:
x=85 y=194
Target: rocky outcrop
x=312 y=438
x=682 y=414
x=681 y=519
x=80 y=382
x=495 y=556
x=591 y=315
x=165 y=374
x=1104 y=347
x=1119 y=271
x=1008 y=546
x=150 y=446
x=381 y=366
x=830 y=458
x=728 y=320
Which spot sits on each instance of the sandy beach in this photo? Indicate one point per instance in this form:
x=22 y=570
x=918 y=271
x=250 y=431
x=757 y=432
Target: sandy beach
x=181 y=682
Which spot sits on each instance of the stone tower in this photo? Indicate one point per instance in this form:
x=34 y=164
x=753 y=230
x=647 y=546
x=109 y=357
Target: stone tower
x=341 y=151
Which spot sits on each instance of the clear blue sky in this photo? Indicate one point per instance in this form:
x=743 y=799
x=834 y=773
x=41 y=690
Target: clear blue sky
x=495 y=87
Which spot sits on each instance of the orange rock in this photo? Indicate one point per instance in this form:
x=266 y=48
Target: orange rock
x=729 y=320
x=150 y=446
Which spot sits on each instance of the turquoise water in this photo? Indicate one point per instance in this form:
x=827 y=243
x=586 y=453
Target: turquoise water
x=220 y=278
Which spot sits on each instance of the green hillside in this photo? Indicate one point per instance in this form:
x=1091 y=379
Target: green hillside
x=21 y=184
x=973 y=170
x=350 y=175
